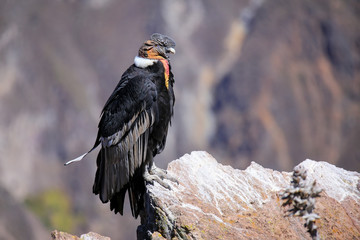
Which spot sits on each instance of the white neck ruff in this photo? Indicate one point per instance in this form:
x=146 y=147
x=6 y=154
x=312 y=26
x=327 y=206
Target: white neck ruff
x=144 y=62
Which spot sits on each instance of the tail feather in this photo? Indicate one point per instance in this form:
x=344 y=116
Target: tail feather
x=117 y=201
x=111 y=183
x=120 y=169
x=99 y=176
x=78 y=159
x=137 y=189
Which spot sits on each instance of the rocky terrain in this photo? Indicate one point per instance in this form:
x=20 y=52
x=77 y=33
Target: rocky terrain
x=214 y=201
x=273 y=82
x=57 y=235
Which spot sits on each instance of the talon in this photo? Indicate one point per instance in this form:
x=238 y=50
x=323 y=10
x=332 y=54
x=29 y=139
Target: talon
x=175 y=181
x=151 y=178
x=158 y=171
x=162 y=174
x=158 y=175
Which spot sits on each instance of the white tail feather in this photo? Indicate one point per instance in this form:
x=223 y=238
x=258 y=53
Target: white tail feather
x=76 y=159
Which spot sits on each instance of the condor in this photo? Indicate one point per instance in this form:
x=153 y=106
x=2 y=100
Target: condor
x=133 y=127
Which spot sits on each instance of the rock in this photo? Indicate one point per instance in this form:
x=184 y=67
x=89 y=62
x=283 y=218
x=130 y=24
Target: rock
x=213 y=201
x=58 y=235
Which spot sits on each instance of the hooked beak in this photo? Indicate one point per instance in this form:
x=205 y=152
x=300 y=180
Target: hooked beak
x=170 y=50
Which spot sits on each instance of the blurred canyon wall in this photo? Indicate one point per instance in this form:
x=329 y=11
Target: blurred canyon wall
x=270 y=81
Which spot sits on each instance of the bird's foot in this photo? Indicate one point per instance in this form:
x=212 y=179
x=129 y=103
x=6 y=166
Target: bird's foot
x=151 y=178
x=162 y=174
x=158 y=175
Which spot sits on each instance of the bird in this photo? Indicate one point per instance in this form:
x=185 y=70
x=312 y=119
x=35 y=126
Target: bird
x=133 y=128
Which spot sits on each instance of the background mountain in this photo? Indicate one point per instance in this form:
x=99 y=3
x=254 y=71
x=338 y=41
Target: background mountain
x=274 y=82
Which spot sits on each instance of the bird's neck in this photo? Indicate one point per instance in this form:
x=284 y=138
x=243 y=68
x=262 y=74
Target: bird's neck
x=144 y=62
x=165 y=63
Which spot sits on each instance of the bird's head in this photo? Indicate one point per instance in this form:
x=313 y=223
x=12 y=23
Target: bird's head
x=158 y=47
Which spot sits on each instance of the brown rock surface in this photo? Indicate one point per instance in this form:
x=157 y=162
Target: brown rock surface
x=214 y=201
x=58 y=235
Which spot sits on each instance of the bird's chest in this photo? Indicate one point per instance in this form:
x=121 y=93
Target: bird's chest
x=165 y=94
x=164 y=103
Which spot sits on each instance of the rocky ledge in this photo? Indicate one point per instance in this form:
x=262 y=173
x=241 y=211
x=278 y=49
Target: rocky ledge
x=58 y=235
x=213 y=201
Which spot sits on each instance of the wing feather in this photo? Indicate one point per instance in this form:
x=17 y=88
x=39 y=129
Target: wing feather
x=123 y=133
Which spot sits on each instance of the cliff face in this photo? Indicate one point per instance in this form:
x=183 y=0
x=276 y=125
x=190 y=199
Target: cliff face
x=17 y=222
x=294 y=89
x=213 y=201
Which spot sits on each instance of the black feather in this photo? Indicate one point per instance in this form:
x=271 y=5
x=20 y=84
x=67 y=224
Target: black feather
x=132 y=130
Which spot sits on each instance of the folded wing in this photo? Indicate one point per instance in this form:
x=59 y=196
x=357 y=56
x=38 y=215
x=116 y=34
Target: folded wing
x=123 y=133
